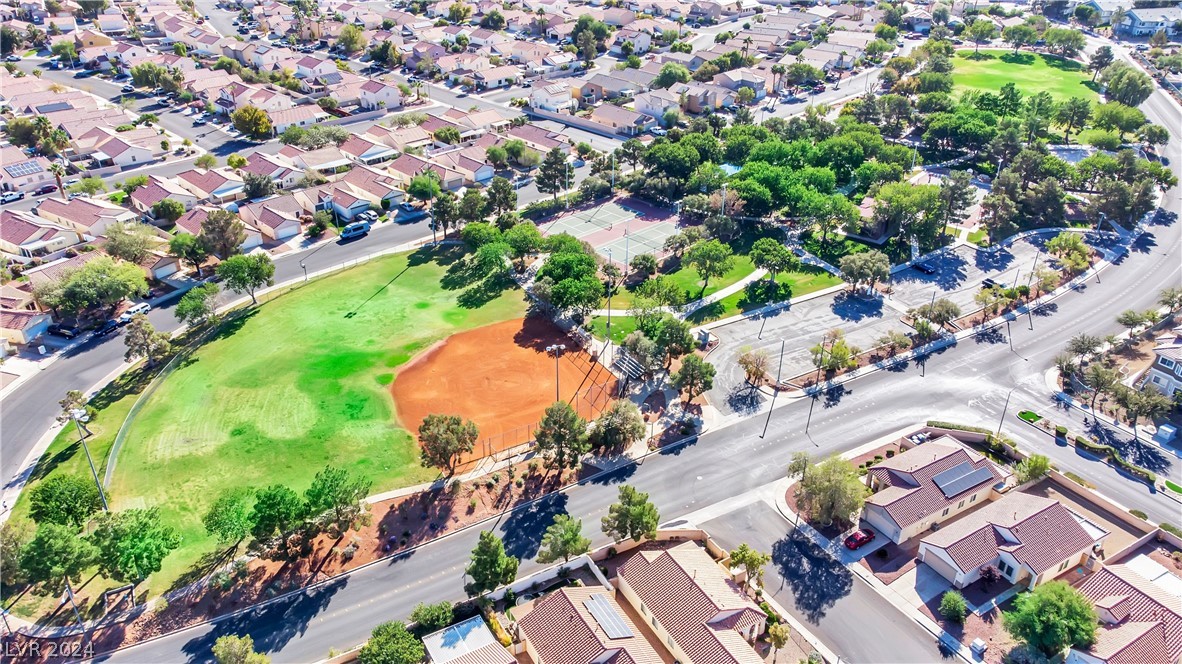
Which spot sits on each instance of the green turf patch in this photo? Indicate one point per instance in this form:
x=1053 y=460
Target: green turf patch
x=1029 y=416
x=760 y=293
x=298 y=383
x=622 y=326
x=1173 y=487
x=980 y=237
x=989 y=70
x=687 y=280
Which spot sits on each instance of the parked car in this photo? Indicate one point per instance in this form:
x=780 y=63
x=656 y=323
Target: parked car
x=45 y=189
x=127 y=89
x=992 y=283
x=925 y=267
x=355 y=230
x=199 y=121
x=72 y=181
x=108 y=327
x=657 y=131
x=408 y=206
x=368 y=216
x=62 y=330
x=13 y=58
x=859 y=539
x=10 y=196
x=134 y=310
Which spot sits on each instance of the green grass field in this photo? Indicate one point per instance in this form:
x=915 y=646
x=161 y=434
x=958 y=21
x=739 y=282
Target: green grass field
x=622 y=326
x=788 y=285
x=296 y=384
x=989 y=70
x=687 y=279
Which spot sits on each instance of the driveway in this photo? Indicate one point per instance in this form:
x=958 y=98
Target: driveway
x=800 y=327
x=841 y=610
x=920 y=585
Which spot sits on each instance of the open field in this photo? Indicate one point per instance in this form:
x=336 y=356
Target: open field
x=622 y=326
x=296 y=384
x=500 y=377
x=989 y=70
x=757 y=294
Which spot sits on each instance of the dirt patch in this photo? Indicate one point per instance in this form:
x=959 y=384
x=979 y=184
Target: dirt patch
x=892 y=563
x=502 y=378
x=986 y=627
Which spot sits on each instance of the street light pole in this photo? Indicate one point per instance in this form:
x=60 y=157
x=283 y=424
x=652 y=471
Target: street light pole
x=304 y=267
x=75 y=414
x=556 y=349
x=1003 y=410
x=775 y=391
x=816 y=387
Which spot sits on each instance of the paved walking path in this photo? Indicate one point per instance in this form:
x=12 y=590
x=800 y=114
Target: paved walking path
x=690 y=308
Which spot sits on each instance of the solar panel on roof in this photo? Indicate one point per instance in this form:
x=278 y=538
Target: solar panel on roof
x=960 y=478
x=24 y=168
x=608 y=618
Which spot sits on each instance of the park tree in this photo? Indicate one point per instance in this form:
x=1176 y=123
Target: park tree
x=752 y=562
x=142 y=340
x=444 y=439
x=432 y=617
x=1032 y=468
x=563 y=540
x=1100 y=60
x=473 y=207
x=223 y=232
x=15 y=535
x=392 y=643
x=198 y=305
x=620 y=425
x=234 y=649
x=246 y=274
x=632 y=516
x=1052 y=617
x=253 y=122
x=490 y=566
x=277 y=509
x=445 y=212
x=338 y=493
x=754 y=364
x=189 y=249
x=695 y=377
x=1125 y=84
x=554 y=173
x=644 y=264
x=524 y=239
x=1072 y=114
x=66 y=500
x=831 y=491
x=55 y=556
x=133 y=543
x=1065 y=42
x=502 y=197
x=478 y=234
x=228 y=518
x=1019 y=35
x=771 y=255
x=710 y=258
x=956 y=196
x=981 y=31
x=130 y=241
x=865 y=268
x=168 y=208
x=940 y=312
x=562 y=436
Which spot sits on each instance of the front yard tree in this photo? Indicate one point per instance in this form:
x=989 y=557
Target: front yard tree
x=771 y=255
x=350 y=38
x=502 y=197
x=695 y=377
x=633 y=516
x=490 y=566
x=444 y=439
x=1032 y=467
x=228 y=518
x=831 y=491
x=100 y=283
x=56 y=553
x=169 y=209
x=247 y=274
x=189 y=249
x=234 y=649
x=1052 y=617
x=223 y=232
x=277 y=509
x=252 y=121
x=337 y=492
x=710 y=258
x=67 y=500
x=198 y=305
x=553 y=173
x=133 y=543
x=562 y=436
x=866 y=268
x=754 y=364
x=392 y=643
x=432 y=617
x=131 y=241
x=778 y=635
x=142 y=340
x=953 y=607
x=257 y=185
x=751 y=561
x=563 y=540
x=620 y=425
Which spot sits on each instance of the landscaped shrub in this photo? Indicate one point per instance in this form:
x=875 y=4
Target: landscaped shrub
x=953 y=607
x=1173 y=487
x=957 y=427
x=890 y=453
x=1061 y=431
x=1171 y=528
x=1077 y=479
x=1139 y=514
x=772 y=617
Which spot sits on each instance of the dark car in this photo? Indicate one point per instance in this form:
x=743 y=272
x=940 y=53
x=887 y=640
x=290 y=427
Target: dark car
x=859 y=539
x=990 y=283
x=63 y=330
x=108 y=327
x=45 y=189
x=926 y=268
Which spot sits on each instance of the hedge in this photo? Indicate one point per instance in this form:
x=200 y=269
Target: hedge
x=1111 y=453
x=1139 y=514
x=957 y=427
x=1171 y=528
x=772 y=617
x=1060 y=431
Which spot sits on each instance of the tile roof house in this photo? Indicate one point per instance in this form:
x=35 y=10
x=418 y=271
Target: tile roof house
x=1141 y=622
x=158 y=189
x=278 y=169
x=88 y=216
x=22 y=327
x=277 y=218
x=190 y=222
x=29 y=236
x=927 y=484
x=693 y=605
x=1165 y=374
x=583 y=625
x=622 y=120
x=1028 y=538
x=406 y=167
x=20 y=172
x=218 y=185
x=299 y=116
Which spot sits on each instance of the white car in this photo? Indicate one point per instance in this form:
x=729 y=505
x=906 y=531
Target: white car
x=657 y=131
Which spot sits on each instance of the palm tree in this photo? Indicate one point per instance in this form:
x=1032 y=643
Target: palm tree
x=42 y=127
x=58 y=171
x=777 y=75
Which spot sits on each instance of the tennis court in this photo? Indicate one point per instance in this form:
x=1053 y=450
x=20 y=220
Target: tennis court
x=618 y=229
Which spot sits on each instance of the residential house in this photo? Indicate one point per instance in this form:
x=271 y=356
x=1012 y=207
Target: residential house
x=656 y=103
x=555 y=97
x=299 y=116
x=276 y=218
x=622 y=120
x=375 y=94
x=467 y=642
x=918 y=19
x=239 y=95
x=1104 y=8
x=539 y=139
x=127 y=148
x=22 y=327
x=24 y=235
x=310 y=66
x=641 y=42
x=584 y=624
x=380 y=185
x=400 y=138
x=605 y=86
x=475 y=171
x=1147 y=21
x=406 y=167
x=1165 y=374
x=745 y=77
x=218 y=185
x=496 y=77
x=927 y=485
x=158 y=189
x=1140 y=620
x=695 y=608
x=366 y=151
x=190 y=222
x=20 y=172
x=90 y=38
x=1029 y=539
x=89 y=217
x=281 y=171
x=328 y=159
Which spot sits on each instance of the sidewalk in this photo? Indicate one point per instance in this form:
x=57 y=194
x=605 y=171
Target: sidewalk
x=682 y=312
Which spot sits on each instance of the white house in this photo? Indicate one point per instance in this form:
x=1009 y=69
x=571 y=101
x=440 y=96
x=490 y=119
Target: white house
x=1147 y=21
x=1165 y=374
x=375 y=94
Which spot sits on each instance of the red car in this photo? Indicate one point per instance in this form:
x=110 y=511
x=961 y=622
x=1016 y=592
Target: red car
x=45 y=189
x=859 y=539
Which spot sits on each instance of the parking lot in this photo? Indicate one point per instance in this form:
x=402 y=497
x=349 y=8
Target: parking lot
x=800 y=327
x=959 y=272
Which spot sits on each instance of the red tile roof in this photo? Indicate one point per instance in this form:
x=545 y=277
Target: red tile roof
x=700 y=606
x=562 y=631
x=910 y=473
x=1146 y=603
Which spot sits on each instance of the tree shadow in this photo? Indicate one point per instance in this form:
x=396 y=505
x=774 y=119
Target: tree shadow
x=524 y=527
x=991 y=335
x=744 y=399
x=834 y=394
x=815 y=578
x=208 y=562
x=1019 y=58
x=993 y=261
x=850 y=307
x=616 y=476
x=485 y=291
x=232 y=324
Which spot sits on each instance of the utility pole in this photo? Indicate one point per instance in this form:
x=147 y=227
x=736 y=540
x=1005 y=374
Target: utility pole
x=556 y=349
x=775 y=391
x=1029 y=280
x=816 y=387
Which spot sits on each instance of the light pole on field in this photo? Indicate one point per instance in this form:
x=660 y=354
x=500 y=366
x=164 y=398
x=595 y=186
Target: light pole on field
x=556 y=350
x=79 y=416
x=304 y=267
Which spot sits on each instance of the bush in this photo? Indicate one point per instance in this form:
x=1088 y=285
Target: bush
x=772 y=617
x=953 y=607
x=1171 y=528
x=890 y=453
x=957 y=427
x=1060 y=431
x=1139 y=514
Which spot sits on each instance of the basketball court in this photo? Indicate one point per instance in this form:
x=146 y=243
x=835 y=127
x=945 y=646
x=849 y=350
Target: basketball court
x=618 y=230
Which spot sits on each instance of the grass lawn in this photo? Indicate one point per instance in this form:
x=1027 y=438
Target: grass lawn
x=979 y=237
x=837 y=246
x=296 y=384
x=688 y=280
x=117 y=197
x=989 y=70
x=788 y=285
x=622 y=326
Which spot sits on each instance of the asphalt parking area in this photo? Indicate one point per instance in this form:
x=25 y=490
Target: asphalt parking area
x=960 y=271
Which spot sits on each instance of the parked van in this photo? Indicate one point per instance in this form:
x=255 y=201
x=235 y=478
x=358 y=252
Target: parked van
x=355 y=230
x=134 y=310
